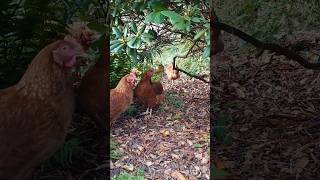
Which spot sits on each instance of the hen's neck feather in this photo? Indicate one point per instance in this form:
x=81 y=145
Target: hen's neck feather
x=44 y=77
x=123 y=85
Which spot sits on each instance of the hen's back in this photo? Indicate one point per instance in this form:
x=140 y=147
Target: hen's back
x=30 y=132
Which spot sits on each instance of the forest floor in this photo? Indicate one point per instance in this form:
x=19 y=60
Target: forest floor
x=173 y=142
x=267 y=112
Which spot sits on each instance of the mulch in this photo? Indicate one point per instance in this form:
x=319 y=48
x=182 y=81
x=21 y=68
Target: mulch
x=273 y=106
x=173 y=141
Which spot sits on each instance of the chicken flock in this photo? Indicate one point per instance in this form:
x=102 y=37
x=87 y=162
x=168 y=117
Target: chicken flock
x=36 y=113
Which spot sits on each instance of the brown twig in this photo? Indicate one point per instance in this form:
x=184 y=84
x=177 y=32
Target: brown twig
x=185 y=56
x=267 y=46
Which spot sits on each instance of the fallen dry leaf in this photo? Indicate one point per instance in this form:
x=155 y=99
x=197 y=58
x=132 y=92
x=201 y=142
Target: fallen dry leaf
x=177 y=175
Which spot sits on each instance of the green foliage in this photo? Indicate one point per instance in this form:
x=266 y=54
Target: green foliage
x=173 y=98
x=66 y=156
x=138 y=175
x=132 y=110
x=141 y=29
x=114 y=152
x=27 y=26
x=69 y=151
x=266 y=19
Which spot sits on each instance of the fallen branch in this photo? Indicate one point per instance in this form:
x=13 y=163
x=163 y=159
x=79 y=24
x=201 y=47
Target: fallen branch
x=262 y=46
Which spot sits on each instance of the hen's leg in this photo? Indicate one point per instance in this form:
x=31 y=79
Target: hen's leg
x=147 y=112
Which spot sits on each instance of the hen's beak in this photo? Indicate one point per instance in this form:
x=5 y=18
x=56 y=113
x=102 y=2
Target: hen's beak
x=159 y=68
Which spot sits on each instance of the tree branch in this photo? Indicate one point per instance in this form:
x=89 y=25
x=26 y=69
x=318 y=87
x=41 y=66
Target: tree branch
x=267 y=46
x=185 y=56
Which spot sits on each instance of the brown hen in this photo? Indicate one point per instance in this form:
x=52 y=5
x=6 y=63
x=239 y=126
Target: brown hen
x=149 y=93
x=121 y=96
x=172 y=74
x=92 y=92
x=37 y=111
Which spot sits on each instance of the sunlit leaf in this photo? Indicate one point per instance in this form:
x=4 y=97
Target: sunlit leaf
x=134 y=42
x=199 y=34
x=134 y=27
x=156 y=17
x=117 y=32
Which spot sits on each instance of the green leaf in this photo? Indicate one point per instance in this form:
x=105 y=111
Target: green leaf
x=132 y=53
x=174 y=17
x=179 y=25
x=199 y=34
x=142 y=29
x=146 y=37
x=115 y=42
x=134 y=42
x=115 y=45
x=188 y=18
x=156 y=17
x=196 y=19
x=117 y=32
x=157 y=5
x=118 y=48
x=152 y=32
x=134 y=27
x=125 y=31
x=206 y=52
x=198 y=145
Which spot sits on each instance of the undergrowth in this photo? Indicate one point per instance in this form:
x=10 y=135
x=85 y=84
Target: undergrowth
x=137 y=175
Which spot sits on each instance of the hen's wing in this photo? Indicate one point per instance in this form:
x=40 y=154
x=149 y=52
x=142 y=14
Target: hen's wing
x=29 y=133
x=158 y=88
x=92 y=94
x=119 y=103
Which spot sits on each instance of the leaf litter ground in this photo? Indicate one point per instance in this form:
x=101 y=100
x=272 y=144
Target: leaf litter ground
x=273 y=106
x=173 y=142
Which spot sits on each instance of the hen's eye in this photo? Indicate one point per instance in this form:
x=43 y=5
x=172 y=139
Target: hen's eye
x=64 y=48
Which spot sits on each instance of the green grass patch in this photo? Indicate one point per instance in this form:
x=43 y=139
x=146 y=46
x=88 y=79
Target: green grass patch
x=124 y=175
